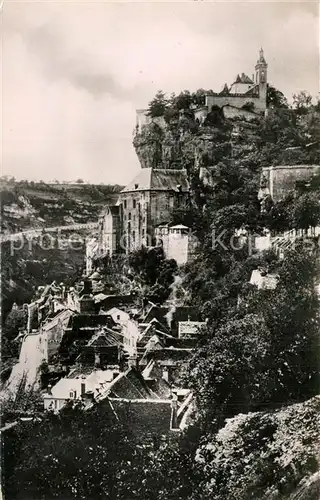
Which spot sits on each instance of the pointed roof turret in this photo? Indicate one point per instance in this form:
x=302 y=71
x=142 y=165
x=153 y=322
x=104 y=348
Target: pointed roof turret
x=225 y=90
x=261 y=59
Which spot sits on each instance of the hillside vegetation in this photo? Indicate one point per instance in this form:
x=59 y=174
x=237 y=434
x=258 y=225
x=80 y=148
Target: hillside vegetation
x=28 y=205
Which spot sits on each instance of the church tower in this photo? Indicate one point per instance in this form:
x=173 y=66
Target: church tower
x=261 y=69
x=261 y=79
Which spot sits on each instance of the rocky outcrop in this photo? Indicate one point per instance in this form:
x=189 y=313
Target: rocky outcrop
x=148 y=145
x=184 y=144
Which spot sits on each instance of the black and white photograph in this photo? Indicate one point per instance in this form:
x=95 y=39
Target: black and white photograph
x=160 y=250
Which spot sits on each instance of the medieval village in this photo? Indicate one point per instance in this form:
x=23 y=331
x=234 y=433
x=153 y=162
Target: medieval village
x=180 y=360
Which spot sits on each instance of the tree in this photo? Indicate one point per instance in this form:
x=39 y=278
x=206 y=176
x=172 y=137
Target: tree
x=158 y=105
x=279 y=217
x=199 y=97
x=228 y=375
x=291 y=313
x=275 y=98
x=154 y=271
x=261 y=455
x=182 y=101
x=302 y=102
x=50 y=459
x=306 y=211
x=80 y=181
x=15 y=320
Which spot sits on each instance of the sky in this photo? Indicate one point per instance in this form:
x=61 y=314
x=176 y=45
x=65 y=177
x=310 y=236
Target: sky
x=73 y=73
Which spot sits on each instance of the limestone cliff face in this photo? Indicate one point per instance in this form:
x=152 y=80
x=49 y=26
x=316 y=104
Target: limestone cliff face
x=184 y=144
x=148 y=145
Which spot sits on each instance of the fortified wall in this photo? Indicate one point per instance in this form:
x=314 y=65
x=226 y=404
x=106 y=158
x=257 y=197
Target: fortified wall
x=282 y=179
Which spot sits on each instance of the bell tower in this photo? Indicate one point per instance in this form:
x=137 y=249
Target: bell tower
x=261 y=80
x=261 y=69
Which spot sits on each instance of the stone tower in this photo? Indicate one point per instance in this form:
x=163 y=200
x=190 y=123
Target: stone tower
x=261 y=76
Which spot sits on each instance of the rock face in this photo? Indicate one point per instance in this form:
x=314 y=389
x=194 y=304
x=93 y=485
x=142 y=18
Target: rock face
x=184 y=144
x=148 y=146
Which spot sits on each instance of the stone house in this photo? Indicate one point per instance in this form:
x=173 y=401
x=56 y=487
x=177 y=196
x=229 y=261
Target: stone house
x=190 y=329
x=103 y=350
x=147 y=201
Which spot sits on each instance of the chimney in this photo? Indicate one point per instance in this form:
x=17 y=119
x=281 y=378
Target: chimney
x=133 y=362
x=50 y=389
x=165 y=374
x=97 y=358
x=174 y=412
x=87 y=286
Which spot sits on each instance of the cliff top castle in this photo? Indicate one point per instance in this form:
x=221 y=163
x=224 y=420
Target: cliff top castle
x=236 y=99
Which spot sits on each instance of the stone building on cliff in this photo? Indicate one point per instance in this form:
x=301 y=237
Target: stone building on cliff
x=245 y=98
x=147 y=202
x=244 y=91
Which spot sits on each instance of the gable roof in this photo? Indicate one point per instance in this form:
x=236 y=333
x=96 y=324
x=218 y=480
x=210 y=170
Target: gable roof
x=245 y=79
x=128 y=385
x=62 y=317
x=105 y=337
x=152 y=179
x=179 y=226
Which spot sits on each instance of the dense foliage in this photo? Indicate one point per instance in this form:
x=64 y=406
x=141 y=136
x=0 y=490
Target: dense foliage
x=154 y=272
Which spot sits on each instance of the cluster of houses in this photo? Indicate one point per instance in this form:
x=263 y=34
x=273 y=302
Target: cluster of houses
x=101 y=348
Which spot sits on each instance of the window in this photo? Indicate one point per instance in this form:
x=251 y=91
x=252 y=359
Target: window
x=129 y=216
x=118 y=316
x=134 y=218
x=125 y=204
x=133 y=235
x=143 y=233
x=71 y=394
x=134 y=202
